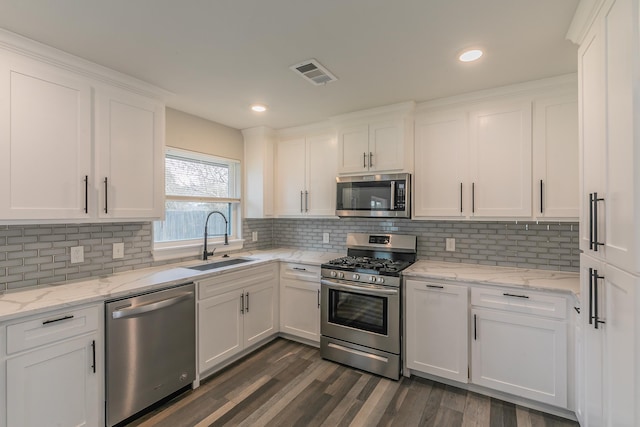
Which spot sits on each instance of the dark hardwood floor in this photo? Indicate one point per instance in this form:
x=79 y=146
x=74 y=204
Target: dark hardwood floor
x=288 y=384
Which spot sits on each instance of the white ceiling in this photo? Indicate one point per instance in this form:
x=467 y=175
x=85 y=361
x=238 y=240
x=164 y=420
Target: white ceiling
x=219 y=56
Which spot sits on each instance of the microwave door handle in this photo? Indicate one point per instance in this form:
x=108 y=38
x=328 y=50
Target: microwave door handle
x=393 y=195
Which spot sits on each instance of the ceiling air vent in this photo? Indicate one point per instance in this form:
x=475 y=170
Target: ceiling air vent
x=314 y=72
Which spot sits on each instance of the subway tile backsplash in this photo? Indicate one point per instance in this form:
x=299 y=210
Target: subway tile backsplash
x=40 y=254
x=549 y=246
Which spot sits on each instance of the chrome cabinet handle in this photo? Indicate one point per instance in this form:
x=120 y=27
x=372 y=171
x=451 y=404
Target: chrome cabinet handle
x=541 y=209
x=318 y=298
x=242 y=304
x=460 y=197
x=435 y=286
x=596 y=277
x=370 y=159
x=364 y=160
x=306 y=201
x=594 y=209
x=301 y=193
x=247 y=303
x=475 y=327
x=299 y=269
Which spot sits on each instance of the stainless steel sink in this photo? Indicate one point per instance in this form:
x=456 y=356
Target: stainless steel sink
x=220 y=264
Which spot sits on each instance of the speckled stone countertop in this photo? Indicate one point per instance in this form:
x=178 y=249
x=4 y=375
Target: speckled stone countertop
x=542 y=280
x=46 y=298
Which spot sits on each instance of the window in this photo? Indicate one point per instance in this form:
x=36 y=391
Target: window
x=196 y=184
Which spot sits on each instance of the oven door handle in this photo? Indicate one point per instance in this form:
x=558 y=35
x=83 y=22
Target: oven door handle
x=365 y=290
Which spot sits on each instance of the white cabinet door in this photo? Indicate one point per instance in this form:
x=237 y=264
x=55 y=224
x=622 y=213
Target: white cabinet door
x=620 y=331
x=518 y=354
x=353 y=149
x=54 y=385
x=441 y=149
x=609 y=358
x=321 y=175
x=592 y=360
x=609 y=138
x=592 y=126
x=555 y=158
x=220 y=328
x=436 y=329
x=130 y=155
x=260 y=312
x=45 y=142
x=290 y=177
x=386 y=146
x=300 y=308
x=500 y=155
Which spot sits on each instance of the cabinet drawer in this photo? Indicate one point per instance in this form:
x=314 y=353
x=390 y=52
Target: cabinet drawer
x=520 y=301
x=308 y=273
x=52 y=327
x=228 y=282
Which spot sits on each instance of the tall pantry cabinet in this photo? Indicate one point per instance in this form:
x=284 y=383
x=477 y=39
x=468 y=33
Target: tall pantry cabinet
x=608 y=65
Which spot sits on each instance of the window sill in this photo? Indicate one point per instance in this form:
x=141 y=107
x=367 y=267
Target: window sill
x=166 y=253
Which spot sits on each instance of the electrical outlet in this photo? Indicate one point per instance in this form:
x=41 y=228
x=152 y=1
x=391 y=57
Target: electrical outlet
x=118 y=250
x=325 y=237
x=254 y=236
x=77 y=254
x=450 y=244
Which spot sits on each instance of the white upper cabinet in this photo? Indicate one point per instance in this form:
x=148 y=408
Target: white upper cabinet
x=555 y=158
x=377 y=140
x=441 y=165
x=306 y=175
x=130 y=155
x=500 y=153
x=609 y=137
x=45 y=141
x=64 y=128
x=258 y=172
x=474 y=155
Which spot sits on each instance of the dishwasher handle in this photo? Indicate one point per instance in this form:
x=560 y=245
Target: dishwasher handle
x=152 y=306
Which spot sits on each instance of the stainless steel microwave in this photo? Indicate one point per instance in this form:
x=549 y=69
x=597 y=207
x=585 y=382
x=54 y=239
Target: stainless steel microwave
x=374 y=196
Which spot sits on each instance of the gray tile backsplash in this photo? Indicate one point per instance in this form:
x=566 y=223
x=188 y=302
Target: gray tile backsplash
x=40 y=254
x=549 y=246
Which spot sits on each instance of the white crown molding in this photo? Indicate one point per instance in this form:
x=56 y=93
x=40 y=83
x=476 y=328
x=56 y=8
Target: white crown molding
x=567 y=83
x=43 y=53
x=320 y=128
x=584 y=16
x=394 y=110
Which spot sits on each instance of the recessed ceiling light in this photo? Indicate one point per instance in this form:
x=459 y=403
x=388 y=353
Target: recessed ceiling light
x=259 y=108
x=470 y=55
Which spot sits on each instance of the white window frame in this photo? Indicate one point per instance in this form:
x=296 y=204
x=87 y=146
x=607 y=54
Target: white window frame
x=192 y=247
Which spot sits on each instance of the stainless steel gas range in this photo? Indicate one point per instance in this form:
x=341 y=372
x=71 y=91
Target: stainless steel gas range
x=361 y=302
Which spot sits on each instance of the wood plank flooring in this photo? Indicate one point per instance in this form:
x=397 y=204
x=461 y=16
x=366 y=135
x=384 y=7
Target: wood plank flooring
x=288 y=384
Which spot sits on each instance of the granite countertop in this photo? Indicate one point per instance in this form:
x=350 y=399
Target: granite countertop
x=40 y=299
x=542 y=280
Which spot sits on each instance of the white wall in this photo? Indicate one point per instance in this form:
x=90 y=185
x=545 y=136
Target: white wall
x=193 y=133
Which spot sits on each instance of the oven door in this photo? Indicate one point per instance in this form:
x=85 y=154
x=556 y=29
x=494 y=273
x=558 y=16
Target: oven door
x=367 y=315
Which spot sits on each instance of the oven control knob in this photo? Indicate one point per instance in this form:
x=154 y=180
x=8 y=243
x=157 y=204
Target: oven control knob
x=341 y=275
x=372 y=278
x=334 y=274
x=356 y=276
x=380 y=279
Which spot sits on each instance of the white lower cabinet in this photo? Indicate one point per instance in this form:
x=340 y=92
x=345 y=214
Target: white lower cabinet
x=609 y=361
x=54 y=370
x=300 y=301
x=235 y=311
x=437 y=329
x=521 y=354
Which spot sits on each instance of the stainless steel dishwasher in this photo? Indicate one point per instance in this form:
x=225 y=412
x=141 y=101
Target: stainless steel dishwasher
x=150 y=349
